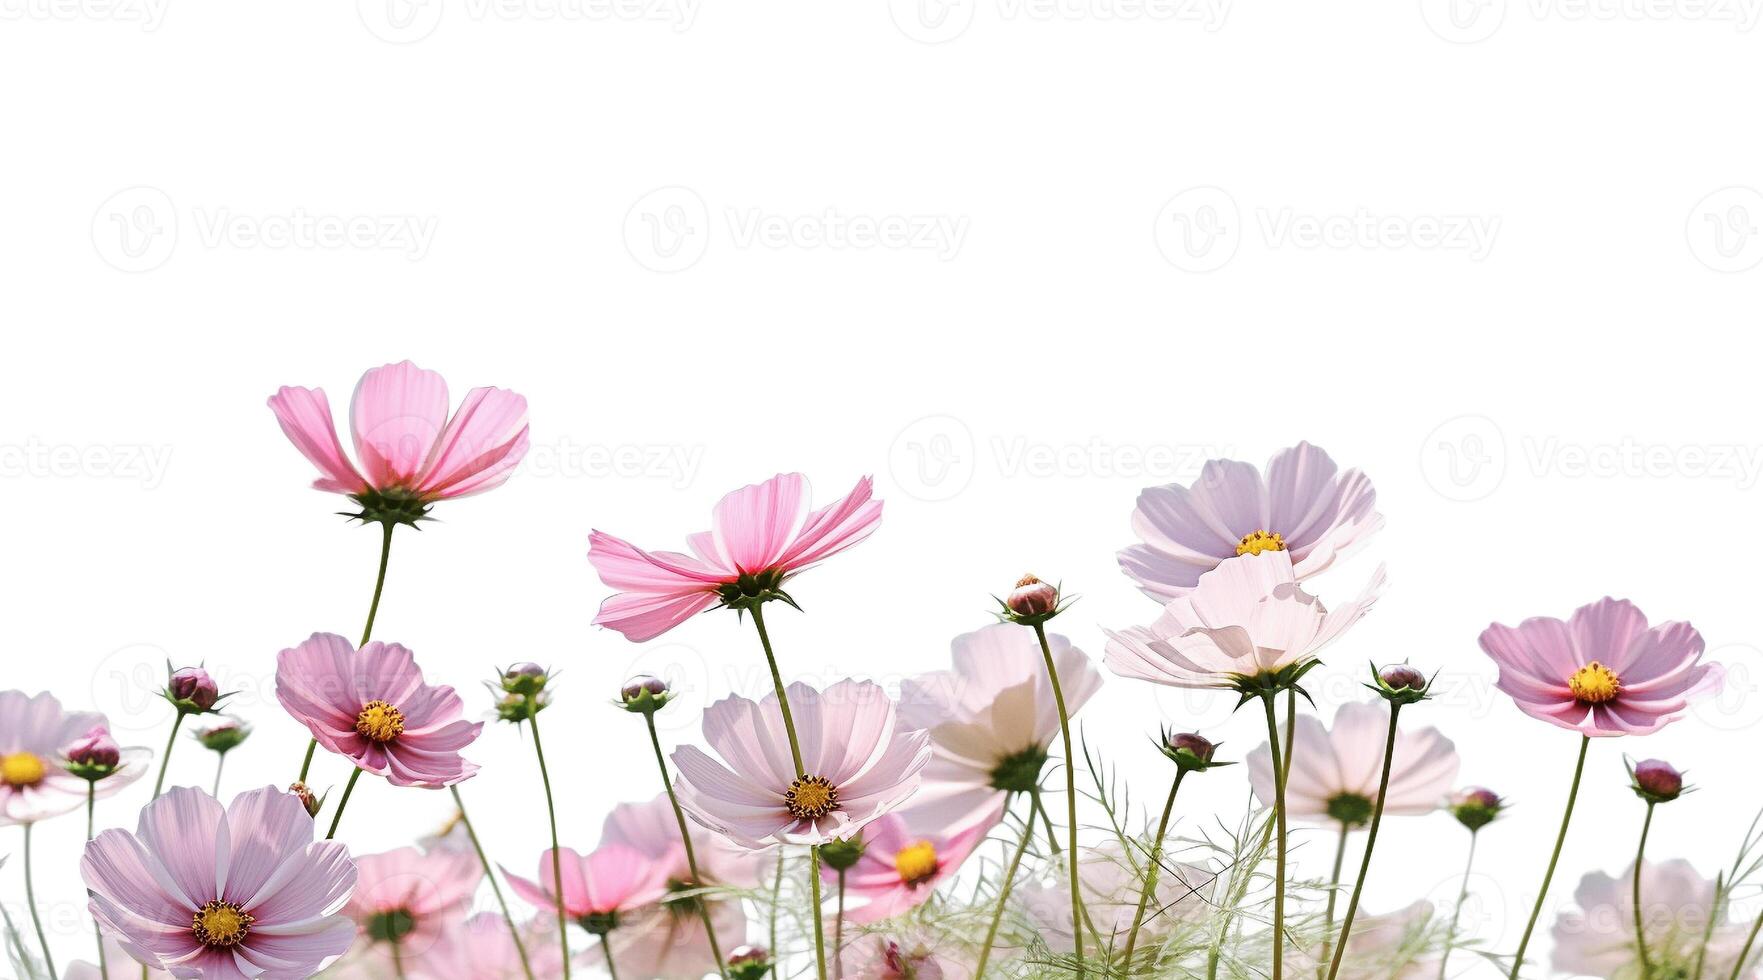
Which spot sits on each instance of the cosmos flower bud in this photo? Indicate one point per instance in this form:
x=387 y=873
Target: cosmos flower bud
x=644 y=694
x=192 y=691
x=1190 y=751
x=525 y=679
x=312 y=803
x=1656 y=781
x=224 y=735
x=94 y=755
x=841 y=855
x=1032 y=597
x=1476 y=807
x=749 y=963
x=1400 y=683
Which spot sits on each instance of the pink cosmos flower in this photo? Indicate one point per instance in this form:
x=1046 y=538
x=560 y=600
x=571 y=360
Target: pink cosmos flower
x=1111 y=886
x=1247 y=618
x=1603 y=672
x=1394 y=946
x=861 y=763
x=1597 y=938
x=597 y=888
x=412 y=897
x=482 y=948
x=1335 y=773
x=1303 y=506
x=35 y=739
x=909 y=956
x=215 y=893
x=666 y=941
x=373 y=708
x=992 y=718
x=411 y=453
x=906 y=855
x=760 y=537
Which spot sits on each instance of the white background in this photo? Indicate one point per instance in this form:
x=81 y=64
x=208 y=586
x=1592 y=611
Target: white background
x=641 y=217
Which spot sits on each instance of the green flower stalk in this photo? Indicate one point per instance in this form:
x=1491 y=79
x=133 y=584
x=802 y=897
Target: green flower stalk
x=1190 y=753
x=1585 y=742
x=1655 y=782
x=1474 y=808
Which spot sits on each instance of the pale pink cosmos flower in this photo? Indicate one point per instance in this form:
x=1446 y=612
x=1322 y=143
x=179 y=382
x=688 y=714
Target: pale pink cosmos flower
x=906 y=855
x=598 y=888
x=1247 y=619
x=761 y=535
x=861 y=762
x=372 y=707
x=35 y=737
x=1603 y=672
x=215 y=893
x=1111 y=882
x=992 y=718
x=118 y=965
x=1396 y=945
x=1303 y=506
x=412 y=897
x=1597 y=937
x=482 y=948
x=1335 y=772
x=911 y=955
x=411 y=453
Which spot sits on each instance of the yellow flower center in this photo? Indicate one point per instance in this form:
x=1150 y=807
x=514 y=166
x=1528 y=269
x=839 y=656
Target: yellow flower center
x=916 y=862
x=379 y=721
x=220 y=924
x=21 y=769
x=811 y=797
x=1255 y=542
x=1594 y=683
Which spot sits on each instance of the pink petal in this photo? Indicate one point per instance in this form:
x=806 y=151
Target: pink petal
x=836 y=527
x=397 y=413
x=305 y=417
x=755 y=524
x=481 y=445
x=266 y=827
x=183 y=829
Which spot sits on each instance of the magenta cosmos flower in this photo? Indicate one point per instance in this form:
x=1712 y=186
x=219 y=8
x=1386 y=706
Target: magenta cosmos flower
x=372 y=707
x=1335 y=773
x=412 y=898
x=1604 y=671
x=760 y=536
x=906 y=855
x=215 y=893
x=411 y=453
x=1246 y=625
x=598 y=888
x=38 y=741
x=861 y=763
x=1303 y=506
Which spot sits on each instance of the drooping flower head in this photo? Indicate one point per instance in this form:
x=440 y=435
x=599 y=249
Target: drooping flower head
x=906 y=855
x=1303 y=506
x=1598 y=938
x=372 y=707
x=1247 y=626
x=219 y=893
x=38 y=778
x=1604 y=671
x=760 y=536
x=598 y=888
x=861 y=761
x=992 y=718
x=1335 y=773
x=411 y=453
x=412 y=897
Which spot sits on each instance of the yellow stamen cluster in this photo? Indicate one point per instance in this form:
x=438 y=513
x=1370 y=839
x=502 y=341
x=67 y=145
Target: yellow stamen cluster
x=21 y=769
x=1255 y=542
x=811 y=797
x=379 y=722
x=220 y=924
x=1595 y=683
x=916 y=863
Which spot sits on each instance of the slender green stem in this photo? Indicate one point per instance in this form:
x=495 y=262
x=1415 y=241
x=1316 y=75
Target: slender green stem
x=490 y=873
x=815 y=909
x=1640 y=918
x=1457 y=910
x=985 y=950
x=219 y=767
x=306 y=764
x=30 y=899
x=839 y=932
x=337 y=817
x=556 y=853
x=1383 y=787
x=685 y=837
x=1738 y=965
x=777 y=891
x=1334 y=892
x=783 y=706
x=1077 y=915
x=1585 y=742
x=1716 y=911
x=1047 y=821
x=398 y=958
x=92 y=832
x=606 y=951
x=17 y=943
x=165 y=761
x=1279 y=816
x=373 y=609
x=1138 y=918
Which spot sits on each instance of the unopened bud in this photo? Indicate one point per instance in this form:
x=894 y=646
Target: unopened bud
x=1476 y=807
x=192 y=690
x=224 y=735
x=1032 y=597
x=525 y=679
x=1399 y=683
x=95 y=748
x=312 y=803
x=749 y=963
x=1657 y=781
x=644 y=694
x=842 y=855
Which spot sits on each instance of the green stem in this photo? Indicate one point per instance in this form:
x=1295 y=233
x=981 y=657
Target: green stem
x=777 y=891
x=985 y=950
x=1138 y=918
x=306 y=764
x=815 y=909
x=373 y=609
x=91 y=832
x=1640 y=919
x=337 y=818
x=1383 y=787
x=1738 y=965
x=398 y=958
x=17 y=943
x=783 y=706
x=489 y=873
x=30 y=899
x=685 y=837
x=1585 y=742
x=1281 y=766
x=1716 y=911
x=1047 y=821
x=1457 y=910
x=1334 y=892
x=165 y=762
x=1077 y=915
x=606 y=951
x=839 y=932
x=219 y=767
x=556 y=854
